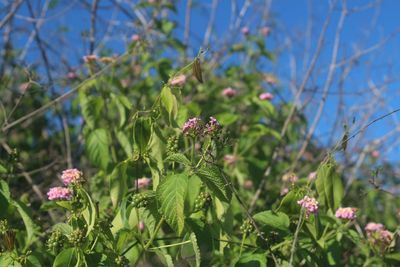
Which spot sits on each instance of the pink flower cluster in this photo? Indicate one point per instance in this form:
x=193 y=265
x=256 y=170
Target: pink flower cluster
x=90 y=58
x=266 y=96
x=135 y=37
x=179 y=80
x=143 y=182
x=71 y=176
x=212 y=126
x=290 y=177
x=346 y=213
x=192 y=126
x=378 y=235
x=59 y=193
x=310 y=204
x=245 y=30
x=265 y=31
x=229 y=92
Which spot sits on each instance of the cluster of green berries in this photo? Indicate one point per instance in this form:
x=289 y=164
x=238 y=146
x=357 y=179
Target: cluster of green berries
x=203 y=201
x=77 y=237
x=3 y=226
x=246 y=227
x=121 y=261
x=172 y=145
x=55 y=241
x=142 y=200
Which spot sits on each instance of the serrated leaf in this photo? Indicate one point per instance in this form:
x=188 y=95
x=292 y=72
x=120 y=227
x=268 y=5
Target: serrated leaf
x=180 y=158
x=91 y=108
x=118 y=183
x=97 y=147
x=212 y=177
x=196 y=249
x=277 y=220
x=171 y=194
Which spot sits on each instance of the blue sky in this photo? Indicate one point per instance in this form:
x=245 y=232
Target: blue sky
x=288 y=18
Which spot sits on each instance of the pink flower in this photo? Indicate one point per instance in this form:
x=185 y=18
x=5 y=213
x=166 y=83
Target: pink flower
x=230 y=159
x=124 y=83
x=248 y=184
x=59 y=193
x=71 y=176
x=143 y=182
x=290 y=177
x=212 y=126
x=269 y=78
x=266 y=96
x=284 y=191
x=265 y=31
x=72 y=75
x=178 y=80
x=141 y=226
x=229 y=92
x=90 y=58
x=375 y=154
x=374 y=227
x=135 y=37
x=312 y=176
x=23 y=87
x=346 y=213
x=386 y=237
x=192 y=126
x=245 y=30
x=310 y=204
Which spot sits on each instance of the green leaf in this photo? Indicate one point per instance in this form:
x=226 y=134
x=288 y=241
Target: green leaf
x=252 y=260
x=3 y=169
x=26 y=218
x=92 y=107
x=170 y=103
x=196 y=249
x=142 y=133
x=171 y=194
x=66 y=229
x=66 y=258
x=89 y=213
x=97 y=145
x=118 y=183
x=125 y=144
x=276 y=220
x=180 y=158
x=329 y=185
x=121 y=109
x=212 y=177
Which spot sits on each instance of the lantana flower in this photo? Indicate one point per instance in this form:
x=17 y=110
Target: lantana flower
x=59 y=193
x=192 y=126
x=143 y=182
x=71 y=176
x=212 y=126
x=310 y=205
x=266 y=96
x=229 y=92
x=378 y=235
x=346 y=213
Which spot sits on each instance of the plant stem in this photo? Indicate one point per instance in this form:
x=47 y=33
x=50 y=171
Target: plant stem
x=154 y=234
x=296 y=235
x=241 y=245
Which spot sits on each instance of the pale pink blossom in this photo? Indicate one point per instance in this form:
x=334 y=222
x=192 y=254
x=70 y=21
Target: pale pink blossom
x=90 y=58
x=23 y=87
x=290 y=177
x=310 y=205
x=72 y=75
x=135 y=37
x=386 y=237
x=346 y=213
x=230 y=159
x=229 y=92
x=375 y=154
x=266 y=31
x=179 y=80
x=266 y=96
x=269 y=78
x=124 y=83
x=71 y=176
x=192 y=126
x=248 y=184
x=143 y=182
x=59 y=193
x=284 y=191
x=374 y=227
x=245 y=30
x=141 y=226
x=312 y=176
